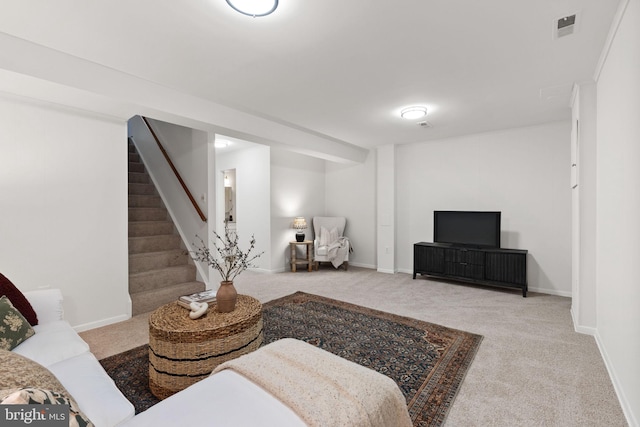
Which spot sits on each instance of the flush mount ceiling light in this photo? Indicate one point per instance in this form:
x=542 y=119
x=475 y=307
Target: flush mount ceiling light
x=412 y=113
x=254 y=7
x=221 y=143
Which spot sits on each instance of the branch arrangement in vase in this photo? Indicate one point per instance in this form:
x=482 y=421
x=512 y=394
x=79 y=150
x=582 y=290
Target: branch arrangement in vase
x=227 y=258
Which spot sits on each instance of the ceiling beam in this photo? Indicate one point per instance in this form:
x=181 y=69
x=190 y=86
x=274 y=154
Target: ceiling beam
x=43 y=73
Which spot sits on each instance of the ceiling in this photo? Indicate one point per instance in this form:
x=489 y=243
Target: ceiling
x=338 y=71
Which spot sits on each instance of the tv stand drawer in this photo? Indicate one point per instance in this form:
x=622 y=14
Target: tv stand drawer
x=463 y=255
x=463 y=269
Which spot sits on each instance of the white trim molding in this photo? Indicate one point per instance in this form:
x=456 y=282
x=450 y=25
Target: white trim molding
x=613 y=30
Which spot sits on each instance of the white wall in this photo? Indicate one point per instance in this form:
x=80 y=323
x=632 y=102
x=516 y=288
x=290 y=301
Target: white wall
x=187 y=149
x=351 y=192
x=63 y=210
x=253 y=198
x=584 y=195
x=618 y=211
x=297 y=189
x=523 y=172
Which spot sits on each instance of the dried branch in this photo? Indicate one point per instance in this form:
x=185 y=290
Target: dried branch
x=229 y=259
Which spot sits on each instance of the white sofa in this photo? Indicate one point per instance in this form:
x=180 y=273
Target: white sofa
x=58 y=347
x=224 y=399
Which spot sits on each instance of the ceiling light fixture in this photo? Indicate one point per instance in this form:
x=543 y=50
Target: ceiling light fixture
x=254 y=7
x=221 y=143
x=412 y=113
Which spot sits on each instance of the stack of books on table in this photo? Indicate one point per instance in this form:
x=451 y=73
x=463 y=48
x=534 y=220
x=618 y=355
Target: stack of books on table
x=208 y=296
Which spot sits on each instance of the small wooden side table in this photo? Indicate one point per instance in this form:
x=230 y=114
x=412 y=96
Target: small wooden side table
x=183 y=351
x=295 y=261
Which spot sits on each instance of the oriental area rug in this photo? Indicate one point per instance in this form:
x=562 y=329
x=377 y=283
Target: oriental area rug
x=427 y=361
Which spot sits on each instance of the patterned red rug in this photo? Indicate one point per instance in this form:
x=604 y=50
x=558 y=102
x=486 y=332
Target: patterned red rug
x=427 y=361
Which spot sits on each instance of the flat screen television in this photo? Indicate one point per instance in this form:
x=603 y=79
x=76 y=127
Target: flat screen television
x=480 y=229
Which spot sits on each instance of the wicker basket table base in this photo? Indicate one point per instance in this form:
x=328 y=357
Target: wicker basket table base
x=183 y=351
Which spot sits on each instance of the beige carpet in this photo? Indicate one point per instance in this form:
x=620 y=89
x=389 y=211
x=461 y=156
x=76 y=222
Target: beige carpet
x=532 y=369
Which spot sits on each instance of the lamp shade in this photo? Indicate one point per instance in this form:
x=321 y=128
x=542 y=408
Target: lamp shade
x=299 y=223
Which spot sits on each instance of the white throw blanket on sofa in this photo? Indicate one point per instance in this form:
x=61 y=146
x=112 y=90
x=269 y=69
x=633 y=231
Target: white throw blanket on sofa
x=322 y=388
x=337 y=251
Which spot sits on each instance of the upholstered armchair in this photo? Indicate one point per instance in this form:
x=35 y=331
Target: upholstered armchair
x=330 y=244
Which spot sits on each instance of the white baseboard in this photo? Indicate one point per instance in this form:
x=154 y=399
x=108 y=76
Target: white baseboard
x=99 y=323
x=530 y=289
x=624 y=402
x=266 y=271
x=550 y=292
x=286 y=269
x=587 y=330
x=358 y=264
x=384 y=270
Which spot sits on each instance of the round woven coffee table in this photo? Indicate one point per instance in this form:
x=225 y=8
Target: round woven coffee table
x=183 y=351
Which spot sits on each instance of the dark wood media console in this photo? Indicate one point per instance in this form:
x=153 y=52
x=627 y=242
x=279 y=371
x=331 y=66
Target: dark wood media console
x=496 y=267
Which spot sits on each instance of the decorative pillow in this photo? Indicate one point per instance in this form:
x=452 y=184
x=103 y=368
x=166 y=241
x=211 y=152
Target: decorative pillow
x=14 y=328
x=327 y=236
x=18 y=300
x=38 y=396
x=333 y=235
x=18 y=372
x=324 y=235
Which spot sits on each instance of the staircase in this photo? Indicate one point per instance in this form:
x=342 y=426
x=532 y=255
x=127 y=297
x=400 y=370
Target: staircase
x=160 y=269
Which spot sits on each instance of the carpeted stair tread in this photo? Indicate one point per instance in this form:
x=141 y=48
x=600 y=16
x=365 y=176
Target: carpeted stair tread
x=141 y=188
x=154 y=243
x=143 y=302
x=150 y=228
x=156 y=279
x=147 y=214
x=148 y=261
x=144 y=201
x=137 y=177
x=136 y=167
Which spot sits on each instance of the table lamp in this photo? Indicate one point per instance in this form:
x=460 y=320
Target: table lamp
x=299 y=223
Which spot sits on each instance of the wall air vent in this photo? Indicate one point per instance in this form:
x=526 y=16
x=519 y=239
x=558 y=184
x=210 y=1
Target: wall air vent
x=565 y=26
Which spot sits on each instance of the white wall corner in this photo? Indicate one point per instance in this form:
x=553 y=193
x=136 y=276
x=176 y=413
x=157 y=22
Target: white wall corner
x=581 y=329
x=617 y=386
x=385 y=208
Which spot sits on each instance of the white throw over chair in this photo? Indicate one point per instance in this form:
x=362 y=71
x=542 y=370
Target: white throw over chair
x=330 y=244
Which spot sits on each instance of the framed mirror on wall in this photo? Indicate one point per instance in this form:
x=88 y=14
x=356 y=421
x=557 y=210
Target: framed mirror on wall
x=229 y=177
